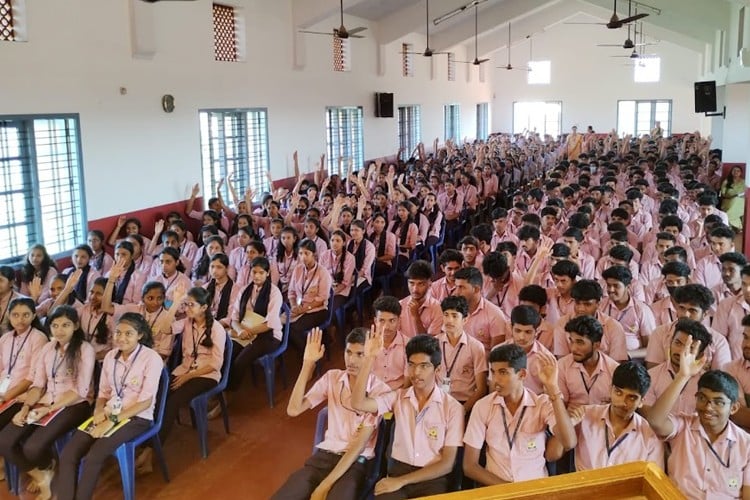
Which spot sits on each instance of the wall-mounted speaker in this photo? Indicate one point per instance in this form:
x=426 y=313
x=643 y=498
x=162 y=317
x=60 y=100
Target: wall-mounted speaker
x=384 y=105
x=705 y=97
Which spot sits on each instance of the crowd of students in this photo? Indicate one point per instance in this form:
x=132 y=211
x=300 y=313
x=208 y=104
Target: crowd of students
x=584 y=284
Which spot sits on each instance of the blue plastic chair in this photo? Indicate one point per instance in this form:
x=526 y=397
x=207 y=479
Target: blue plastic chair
x=436 y=246
x=268 y=361
x=199 y=404
x=351 y=301
x=360 y=296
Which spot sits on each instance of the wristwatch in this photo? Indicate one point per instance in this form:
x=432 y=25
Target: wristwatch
x=114 y=419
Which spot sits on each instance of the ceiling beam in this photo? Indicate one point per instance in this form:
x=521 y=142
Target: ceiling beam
x=412 y=20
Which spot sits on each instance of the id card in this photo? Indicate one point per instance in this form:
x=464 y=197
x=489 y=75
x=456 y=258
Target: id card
x=115 y=405
x=445 y=385
x=5 y=384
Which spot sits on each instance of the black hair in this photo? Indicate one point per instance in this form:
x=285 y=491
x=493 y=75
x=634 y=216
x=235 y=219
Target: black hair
x=468 y=240
x=31 y=305
x=203 y=298
x=586 y=290
x=533 y=293
x=499 y=213
x=618 y=273
x=201 y=269
x=566 y=268
x=734 y=257
x=507 y=246
x=574 y=232
x=512 y=354
x=139 y=323
x=586 y=326
x=722 y=232
x=419 y=270
x=226 y=291
x=663 y=235
x=387 y=303
x=680 y=252
x=719 y=381
x=694 y=294
x=525 y=315
x=560 y=250
x=455 y=303
x=483 y=233
x=424 y=344
x=671 y=221
x=676 y=269
x=28 y=272
x=529 y=232
x=495 y=265
x=633 y=376
x=357 y=336
x=471 y=275
x=175 y=254
x=281 y=250
x=696 y=330
x=73 y=352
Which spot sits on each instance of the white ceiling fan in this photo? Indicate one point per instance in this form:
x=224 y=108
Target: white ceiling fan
x=509 y=66
x=341 y=31
x=476 y=61
x=428 y=52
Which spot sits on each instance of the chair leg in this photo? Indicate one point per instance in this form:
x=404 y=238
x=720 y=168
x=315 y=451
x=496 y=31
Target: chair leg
x=269 y=366
x=13 y=477
x=156 y=444
x=126 y=459
x=200 y=411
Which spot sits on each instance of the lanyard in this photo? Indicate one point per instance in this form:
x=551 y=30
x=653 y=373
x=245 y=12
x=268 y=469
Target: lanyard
x=119 y=391
x=622 y=314
x=169 y=285
x=500 y=301
x=588 y=387
x=13 y=359
x=5 y=309
x=455 y=358
x=512 y=439
x=56 y=365
x=305 y=283
x=287 y=267
x=716 y=454
x=617 y=443
x=152 y=323
x=88 y=325
x=196 y=342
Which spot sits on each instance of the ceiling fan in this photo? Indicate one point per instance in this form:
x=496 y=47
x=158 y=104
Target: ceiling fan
x=509 y=66
x=154 y=1
x=428 y=52
x=341 y=31
x=635 y=54
x=476 y=61
x=615 y=22
x=628 y=44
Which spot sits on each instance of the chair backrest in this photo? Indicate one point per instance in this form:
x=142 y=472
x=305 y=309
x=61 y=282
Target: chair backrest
x=161 y=397
x=285 y=332
x=227 y=363
x=331 y=295
x=321 y=424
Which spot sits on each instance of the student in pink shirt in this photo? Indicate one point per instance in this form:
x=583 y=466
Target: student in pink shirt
x=730 y=313
x=731 y=276
x=663 y=374
x=513 y=421
x=172 y=274
x=586 y=264
x=127 y=392
x=673 y=275
x=405 y=230
x=223 y=290
x=101 y=261
x=38 y=264
x=364 y=253
x=486 y=322
x=131 y=225
x=128 y=285
x=390 y=365
x=339 y=463
x=422 y=313
x=313 y=231
x=429 y=424
x=238 y=255
x=524 y=331
x=564 y=274
x=739 y=369
x=142 y=261
x=450 y=261
x=286 y=257
x=213 y=245
x=340 y=264
x=710 y=454
x=7 y=294
x=187 y=248
x=463 y=372
x=62 y=375
x=470 y=250
x=708 y=269
x=434 y=216
x=272 y=238
x=81 y=259
x=585 y=374
x=529 y=237
x=501 y=233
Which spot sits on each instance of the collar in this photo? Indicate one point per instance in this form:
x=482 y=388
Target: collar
x=437 y=397
x=462 y=339
x=526 y=400
x=729 y=433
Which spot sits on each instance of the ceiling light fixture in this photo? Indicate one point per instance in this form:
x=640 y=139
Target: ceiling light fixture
x=457 y=11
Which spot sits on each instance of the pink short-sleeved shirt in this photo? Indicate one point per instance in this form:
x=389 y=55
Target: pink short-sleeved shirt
x=613 y=342
x=134 y=380
x=90 y=322
x=273 y=313
x=390 y=365
x=310 y=285
x=18 y=354
x=728 y=322
x=344 y=422
x=430 y=314
x=489 y=420
x=51 y=372
x=364 y=272
x=135 y=286
x=661 y=376
x=581 y=388
x=334 y=265
x=440 y=289
x=204 y=356
x=466 y=361
x=420 y=436
x=697 y=470
x=740 y=370
x=164 y=340
x=708 y=271
x=486 y=324
x=661 y=339
x=598 y=447
x=637 y=320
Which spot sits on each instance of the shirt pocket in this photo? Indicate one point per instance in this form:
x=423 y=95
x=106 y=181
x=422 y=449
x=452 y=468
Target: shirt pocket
x=529 y=446
x=434 y=433
x=728 y=479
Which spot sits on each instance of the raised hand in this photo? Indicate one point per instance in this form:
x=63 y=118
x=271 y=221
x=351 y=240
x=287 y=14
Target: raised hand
x=117 y=270
x=547 y=371
x=121 y=220
x=159 y=227
x=545 y=248
x=73 y=279
x=690 y=364
x=314 y=348
x=35 y=288
x=576 y=414
x=374 y=342
x=196 y=190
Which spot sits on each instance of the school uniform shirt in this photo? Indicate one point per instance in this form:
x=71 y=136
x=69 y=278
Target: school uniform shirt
x=310 y=285
x=273 y=314
x=90 y=278
x=134 y=380
x=499 y=238
x=271 y=245
x=580 y=388
x=89 y=320
x=332 y=263
x=728 y=322
x=613 y=340
x=466 y=362
x=558 y=306
x=470 y=194
x=661 y=376
x=172 y=283
x=102 y=262
x=233 y=294
x=164 y=339
x=507 y=297
x=284 y=270
x=391 y=244
x=598 y=447
x=515 y=442
x=194 y=351
x=430 y=315
x=440 y=289
x=636 y=319
x=722 y=292
x=237 y=260
x=420 y=436
x=364 y=274
x=4 y=310
x=708 y=271
x=486 y=324
x=740 y=370
x=344 y=423
x=320 y=245
x=18 y=352
x=412 y=236
x=531 y=382
x=434 y=229
x=658 y=346
x=706 y=470
x=451 y=206
x=55 y=378
x=391 y=365
x=135 y=286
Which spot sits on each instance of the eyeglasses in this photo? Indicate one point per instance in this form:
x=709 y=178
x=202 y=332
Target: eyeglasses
x=718 y=403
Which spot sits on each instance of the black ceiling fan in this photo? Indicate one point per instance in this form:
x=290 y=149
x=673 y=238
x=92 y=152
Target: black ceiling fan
x=635 y=54
x=628 y=44
x=428 y=52
x=615 y=22
x=341 y=31
x=476 y=61
x=509 y=66
x=154 y=1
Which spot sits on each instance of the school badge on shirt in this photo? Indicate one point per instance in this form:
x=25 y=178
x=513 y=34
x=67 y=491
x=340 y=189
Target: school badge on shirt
x=432 y=433
x=531 y=445
x=733 y=483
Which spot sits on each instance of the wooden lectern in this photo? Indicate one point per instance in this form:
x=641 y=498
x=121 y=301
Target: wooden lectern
x=637 y=480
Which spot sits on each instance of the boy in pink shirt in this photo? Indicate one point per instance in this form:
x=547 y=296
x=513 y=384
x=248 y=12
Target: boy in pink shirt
x=710 y=454
x=450 y=261
x=429 y=424
x=390 y=365
x=338 y=466
x=422 y=313
x=524 y=327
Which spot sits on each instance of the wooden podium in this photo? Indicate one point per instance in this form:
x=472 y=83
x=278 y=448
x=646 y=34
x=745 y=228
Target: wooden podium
x=637 y=480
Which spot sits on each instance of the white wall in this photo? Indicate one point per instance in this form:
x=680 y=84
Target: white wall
x=79 y=54
x=588 y=82
x=737 y=125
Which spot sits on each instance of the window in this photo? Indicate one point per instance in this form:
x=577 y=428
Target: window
x=7 y=33
x=341 y=54
x=229 y=34
x=639 y=117
x=539 y=73
x=483 y=118
x=235 y=141
x=409 y=129
x=407 y=59
x=452 y=122
x=344 y=138
x=41 y=185
x=647 y=69
x=541 y=117
x=451 y=67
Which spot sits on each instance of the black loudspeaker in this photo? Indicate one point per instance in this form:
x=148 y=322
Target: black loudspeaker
x=384 y=105
x=705 y=97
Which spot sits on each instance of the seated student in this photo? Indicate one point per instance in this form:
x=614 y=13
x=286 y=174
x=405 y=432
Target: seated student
x=255 y=317
x=172 y=274
x=237 y=255
x=385 y=243
x=127 y=392
x=404 y=229
x=390 y=365
x=309 y=291
x=417 y=466
x=81 y=259
x=131 y=226
x=213 y=245
x=7 y=294
x=731 y=276
x=500 y=222
x=143 y=262
x=364 y=253
x=619 y=255
x=97 y=324
x=187 y=249
x=463 y=372
x=100 y=260
x=434 y=217
x=560 y=303
x=340 y=264
x=573 y=237
x=272 y=238
x=253 y=250
x=286 y=258
x=422 y=312
x=129 y=283
x=337 y=467
x=585 y=373
x=708 y=269
x=674 y=275
x=450 y=261
x=62 y=374
x=469 y=247
x=636 y=317
x=243 y=222
x=651 y=267
x=38 y=264
x=485 y=322
x=502 y=283
x=701 y=242
x=516 y=439
x=587 y=295
x=662 y=374
x=691 y=301
x=740 y=369
x=529 y=238
x=313 y=232
x=523 y=331
x=535 y=297
x=707 y=440
x=730 y=312
x=224 y=291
